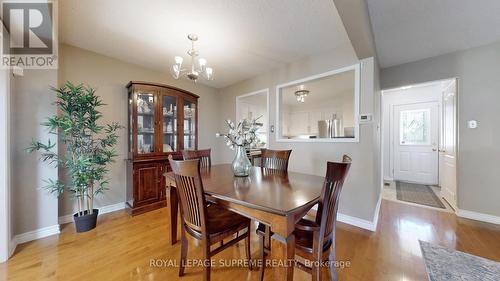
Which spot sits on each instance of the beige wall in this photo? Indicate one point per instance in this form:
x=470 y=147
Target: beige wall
x=109 y=76
x=478 y=71
x=362 y=188
x=33 y=208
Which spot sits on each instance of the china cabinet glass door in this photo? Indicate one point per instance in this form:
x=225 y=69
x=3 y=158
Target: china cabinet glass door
x=169 y=123
x=145 y=123
x=189 y=125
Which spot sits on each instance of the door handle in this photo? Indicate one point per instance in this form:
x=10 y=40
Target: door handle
x=434 y=149
x=442 y=150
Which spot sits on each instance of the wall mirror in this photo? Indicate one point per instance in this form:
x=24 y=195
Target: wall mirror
x=320 y=108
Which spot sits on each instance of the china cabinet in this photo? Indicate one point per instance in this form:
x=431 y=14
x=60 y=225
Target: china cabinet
x=162 y=121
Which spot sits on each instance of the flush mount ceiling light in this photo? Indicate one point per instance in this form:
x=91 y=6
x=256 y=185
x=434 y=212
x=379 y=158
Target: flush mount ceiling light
x=301 y=93
x=198 y=67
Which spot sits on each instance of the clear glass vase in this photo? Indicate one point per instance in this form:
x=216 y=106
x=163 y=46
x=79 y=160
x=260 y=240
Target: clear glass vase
x=241 y=165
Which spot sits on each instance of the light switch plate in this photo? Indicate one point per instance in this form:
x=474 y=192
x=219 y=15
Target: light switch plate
x=472 y=124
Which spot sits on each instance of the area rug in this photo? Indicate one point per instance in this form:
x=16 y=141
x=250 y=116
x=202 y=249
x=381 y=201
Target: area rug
x=447 y=264
x=417 y=193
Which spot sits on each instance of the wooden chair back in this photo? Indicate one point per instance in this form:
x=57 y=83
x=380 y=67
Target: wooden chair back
x=202 y=154
x=275 y=159
x=328 y=204
x=190 y=192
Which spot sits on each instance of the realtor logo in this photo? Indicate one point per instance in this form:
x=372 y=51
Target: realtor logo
x=28 y=38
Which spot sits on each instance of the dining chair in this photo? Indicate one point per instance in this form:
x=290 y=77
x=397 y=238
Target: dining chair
x=276 y=160
x=202 y=154
x=315 y=239
x=210 y=224
x=272 y=162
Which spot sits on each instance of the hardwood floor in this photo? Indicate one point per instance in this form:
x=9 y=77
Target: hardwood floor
x=122 y=247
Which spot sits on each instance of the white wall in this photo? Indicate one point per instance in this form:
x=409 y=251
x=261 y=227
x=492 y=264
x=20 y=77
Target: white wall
x=362 y=188
x=417 y=94
x=478 y=72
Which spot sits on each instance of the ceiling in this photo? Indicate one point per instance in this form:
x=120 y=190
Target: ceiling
x=239 y=38
x=411 y=30
x=322 y=91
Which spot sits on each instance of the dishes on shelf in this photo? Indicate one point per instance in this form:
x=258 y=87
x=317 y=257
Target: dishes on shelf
x=188 y=112
x=169 y=112
x=168 y=129
x=144 y=106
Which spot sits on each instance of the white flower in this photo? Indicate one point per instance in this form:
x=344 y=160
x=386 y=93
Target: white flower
x=241 y=135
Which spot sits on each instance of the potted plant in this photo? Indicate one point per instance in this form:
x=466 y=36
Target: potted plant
x=89 y=148
x=239 y=137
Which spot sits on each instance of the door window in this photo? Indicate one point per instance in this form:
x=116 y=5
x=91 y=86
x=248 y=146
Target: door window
x=414 y=127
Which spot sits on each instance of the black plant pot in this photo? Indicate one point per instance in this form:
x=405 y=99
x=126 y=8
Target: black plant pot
x=86 y=222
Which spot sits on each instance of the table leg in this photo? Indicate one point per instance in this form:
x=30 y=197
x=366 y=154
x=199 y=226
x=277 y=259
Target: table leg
x=282 y=256
x=173 y=207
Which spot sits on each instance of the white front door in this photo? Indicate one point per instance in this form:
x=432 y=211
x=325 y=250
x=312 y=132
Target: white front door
x=416 y=129
x=447 y=151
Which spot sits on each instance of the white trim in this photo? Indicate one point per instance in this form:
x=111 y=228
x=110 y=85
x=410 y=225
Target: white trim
x=357 y=96
x=361 y=223
x=377 y=213
x=36 y=234
x=5 y=181
x=102 y=210
x=12 y=246
x=478 y=216
x=268 y=104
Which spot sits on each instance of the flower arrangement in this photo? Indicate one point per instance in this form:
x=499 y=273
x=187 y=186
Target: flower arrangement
x=241 y=137
x=243 y=134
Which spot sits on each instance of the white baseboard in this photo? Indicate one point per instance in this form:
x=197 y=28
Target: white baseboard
x=478 y=216
x=377 y=212
x=35 y=234
x=362 y=223
x=102 y=210
x=12 y=246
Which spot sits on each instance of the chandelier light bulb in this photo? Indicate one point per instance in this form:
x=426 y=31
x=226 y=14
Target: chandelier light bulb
x=197 y=68
x=202 y=62
x=209 y=71
x=178 y=60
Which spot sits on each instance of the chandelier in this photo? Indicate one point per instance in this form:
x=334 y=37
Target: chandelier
x=301 y=93
x=198 y=67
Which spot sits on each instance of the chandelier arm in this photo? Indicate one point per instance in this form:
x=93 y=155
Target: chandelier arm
x=194 y=71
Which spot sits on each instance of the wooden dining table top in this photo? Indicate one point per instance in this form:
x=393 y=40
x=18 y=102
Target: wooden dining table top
x=278 y=193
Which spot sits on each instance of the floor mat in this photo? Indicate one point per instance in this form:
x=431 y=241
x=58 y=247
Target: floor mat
x=418 y=193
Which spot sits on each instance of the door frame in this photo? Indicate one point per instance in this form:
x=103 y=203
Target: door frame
x=268 y=111
x=457 y=133
x=454 y=205
x=6 y=246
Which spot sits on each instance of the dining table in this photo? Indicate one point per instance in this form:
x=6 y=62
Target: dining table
x=276 y=199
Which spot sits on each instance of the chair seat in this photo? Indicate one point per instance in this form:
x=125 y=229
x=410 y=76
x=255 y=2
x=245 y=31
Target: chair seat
x=222 y=222
x=303 y=239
